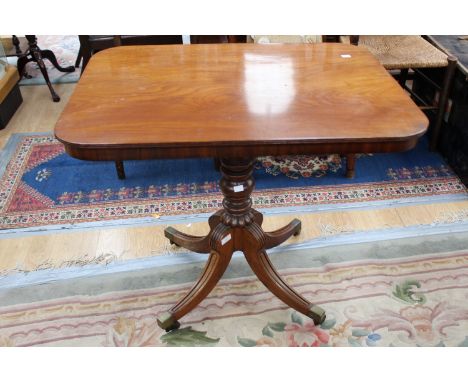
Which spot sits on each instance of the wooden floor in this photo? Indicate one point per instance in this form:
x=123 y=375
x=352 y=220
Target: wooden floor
x=39 y=114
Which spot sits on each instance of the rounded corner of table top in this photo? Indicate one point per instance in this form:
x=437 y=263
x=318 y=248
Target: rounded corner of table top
x=61 y=134
x=59 y=138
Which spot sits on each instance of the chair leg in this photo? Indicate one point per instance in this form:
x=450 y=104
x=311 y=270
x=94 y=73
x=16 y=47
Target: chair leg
x=403 y=77
x=443 y=101
x=78 y=58
x=16 y=44
x=49 y=55
x=84 y=63
x=217 y=164
x=119 y=166
x=350 y=165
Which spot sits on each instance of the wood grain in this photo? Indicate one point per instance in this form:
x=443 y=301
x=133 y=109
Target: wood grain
x=235 y=100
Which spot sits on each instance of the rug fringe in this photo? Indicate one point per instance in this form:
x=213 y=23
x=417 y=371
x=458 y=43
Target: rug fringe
x=103 y=259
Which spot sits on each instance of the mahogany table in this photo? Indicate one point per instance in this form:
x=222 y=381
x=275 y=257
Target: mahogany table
x=236 y=102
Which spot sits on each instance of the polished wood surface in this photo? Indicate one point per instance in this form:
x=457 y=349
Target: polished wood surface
x=236 y=100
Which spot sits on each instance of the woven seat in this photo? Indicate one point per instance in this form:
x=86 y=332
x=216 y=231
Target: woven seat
x=286 y=39
x=403 y=52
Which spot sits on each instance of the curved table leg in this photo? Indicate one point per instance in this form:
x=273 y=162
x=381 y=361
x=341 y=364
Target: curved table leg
x=37 y=57
x=49 y=55
x=258 y=217
x=21 y=65
x=267 y=274
x=279 y=236
x=199 y=244
x=218 y=261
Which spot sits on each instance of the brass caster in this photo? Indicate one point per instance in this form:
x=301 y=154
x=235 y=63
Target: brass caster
x=317 y=314
x=167 y=322
x=298 y=228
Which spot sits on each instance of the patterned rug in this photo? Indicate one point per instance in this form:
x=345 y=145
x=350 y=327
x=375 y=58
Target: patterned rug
x=404 y=292
x=65 y=49
x=42 y=187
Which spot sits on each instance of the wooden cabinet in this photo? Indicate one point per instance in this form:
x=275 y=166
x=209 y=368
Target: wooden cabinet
x=454 y=132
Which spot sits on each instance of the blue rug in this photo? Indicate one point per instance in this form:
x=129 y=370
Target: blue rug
x=42 y=187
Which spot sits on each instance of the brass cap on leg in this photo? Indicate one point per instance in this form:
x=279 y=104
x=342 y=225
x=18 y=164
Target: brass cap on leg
x=167 y=322
x=317 y=314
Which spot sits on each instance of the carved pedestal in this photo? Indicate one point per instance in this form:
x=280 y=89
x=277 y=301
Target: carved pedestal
x=237 y=227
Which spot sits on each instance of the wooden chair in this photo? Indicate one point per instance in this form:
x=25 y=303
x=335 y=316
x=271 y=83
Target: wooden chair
x=217 y=39
x=93 y=44
x=285 y=39
x=308 y=39
x=402 y=54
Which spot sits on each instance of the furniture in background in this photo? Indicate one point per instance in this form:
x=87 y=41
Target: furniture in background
x=405 y=53
x=10 y=95
x=301 y=39
x=285 y=39
x=453 y=140
x=35 y=54
x=278 y=109
x=217 y=39
x=13 y=45
x=90 y=44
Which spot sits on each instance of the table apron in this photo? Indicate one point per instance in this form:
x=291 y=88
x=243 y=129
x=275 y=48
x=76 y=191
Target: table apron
x=103 y=153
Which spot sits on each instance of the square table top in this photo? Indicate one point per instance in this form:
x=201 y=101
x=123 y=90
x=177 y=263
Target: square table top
x=203 y=100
